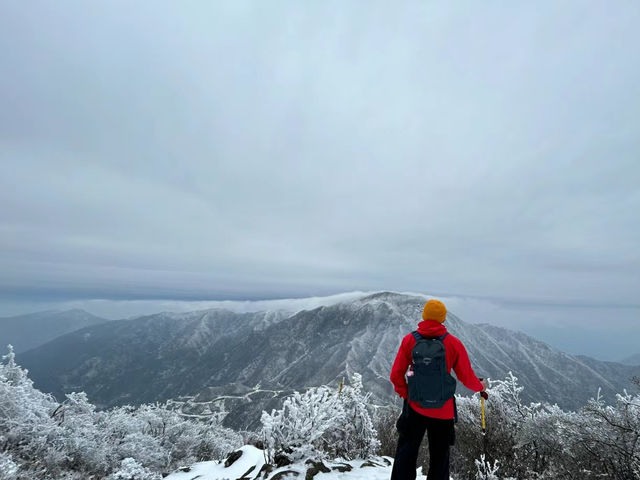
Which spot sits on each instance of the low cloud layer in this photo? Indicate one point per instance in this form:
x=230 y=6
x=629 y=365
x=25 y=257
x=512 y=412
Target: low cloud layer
x=605 y=332
x=248 y=151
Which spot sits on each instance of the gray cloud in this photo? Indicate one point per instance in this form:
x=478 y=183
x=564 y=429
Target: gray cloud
x=263 y=150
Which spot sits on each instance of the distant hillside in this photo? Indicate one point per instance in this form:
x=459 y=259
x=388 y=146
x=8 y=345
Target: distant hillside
x=218 y=355
x=25 y=332
x=632 y=360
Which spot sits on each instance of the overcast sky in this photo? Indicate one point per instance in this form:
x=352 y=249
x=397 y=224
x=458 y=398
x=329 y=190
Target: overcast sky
x=252 y=150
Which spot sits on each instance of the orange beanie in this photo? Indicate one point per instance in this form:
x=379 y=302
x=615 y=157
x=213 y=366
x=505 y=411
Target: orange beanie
x=434 y=310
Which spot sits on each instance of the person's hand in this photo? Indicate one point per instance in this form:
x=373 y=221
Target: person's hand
x=485 y=385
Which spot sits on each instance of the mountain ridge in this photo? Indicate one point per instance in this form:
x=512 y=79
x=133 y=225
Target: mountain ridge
x=631 y=360
x=31 y=330
x=165 y=356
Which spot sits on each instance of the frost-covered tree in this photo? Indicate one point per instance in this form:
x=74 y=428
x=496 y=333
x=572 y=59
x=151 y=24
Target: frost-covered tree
x=130 y=469
x=605 y=439
x=357 y=436
x=72 y=440
x=8 y=468
x=523 y=438
x=541 y=441
x=28 y=430
x=303 y=424
x=321 y=422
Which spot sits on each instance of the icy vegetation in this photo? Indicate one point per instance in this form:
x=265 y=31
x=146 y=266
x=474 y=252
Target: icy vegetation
x=321 y=423
x=43 y=439
x=326 y=432
x=542 y=441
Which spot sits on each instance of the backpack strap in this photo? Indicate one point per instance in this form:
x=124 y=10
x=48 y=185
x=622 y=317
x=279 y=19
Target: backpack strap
x=417 y=336
x=455 y=405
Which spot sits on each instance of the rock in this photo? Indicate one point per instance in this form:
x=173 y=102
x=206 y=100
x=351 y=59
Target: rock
x=370 y=463
x=284 y=474
x=265 y=471
x=232 y=458
x=245 y=475
x=258 y=444
x=316 y=467
x=342 y=467
x=281 y=460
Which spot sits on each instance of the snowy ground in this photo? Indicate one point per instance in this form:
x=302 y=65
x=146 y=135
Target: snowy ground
x=252 y=460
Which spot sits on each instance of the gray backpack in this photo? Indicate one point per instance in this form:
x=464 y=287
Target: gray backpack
x=430 y=385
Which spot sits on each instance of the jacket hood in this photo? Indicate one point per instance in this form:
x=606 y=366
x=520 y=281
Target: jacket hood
x=431 y=328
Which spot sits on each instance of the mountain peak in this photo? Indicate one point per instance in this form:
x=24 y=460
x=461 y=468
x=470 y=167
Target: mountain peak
x=389 y=296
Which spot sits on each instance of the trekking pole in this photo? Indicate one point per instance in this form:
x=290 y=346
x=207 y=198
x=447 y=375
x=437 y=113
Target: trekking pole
x=483 y=397
x=484 y=426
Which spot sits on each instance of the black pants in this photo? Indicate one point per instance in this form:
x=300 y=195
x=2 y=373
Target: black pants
x=440 y=434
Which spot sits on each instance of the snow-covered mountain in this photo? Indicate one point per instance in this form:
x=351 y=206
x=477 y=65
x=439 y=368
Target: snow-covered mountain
x=254 y=358
x=28 y=331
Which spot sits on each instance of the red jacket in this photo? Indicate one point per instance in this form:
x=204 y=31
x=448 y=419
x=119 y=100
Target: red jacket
x=457 y=359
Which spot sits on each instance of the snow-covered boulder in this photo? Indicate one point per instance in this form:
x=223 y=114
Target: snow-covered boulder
x=250 y=464
x=246 y=465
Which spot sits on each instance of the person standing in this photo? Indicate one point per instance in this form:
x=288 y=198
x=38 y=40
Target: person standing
x=421 y=375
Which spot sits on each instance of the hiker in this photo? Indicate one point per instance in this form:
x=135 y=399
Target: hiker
x=429 y=353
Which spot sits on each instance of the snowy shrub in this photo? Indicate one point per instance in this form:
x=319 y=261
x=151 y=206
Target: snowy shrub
x=72 y=440
x=146 y=449
x=385 y=422
x=82 y=436
x=321 y=422
x=8 y=468
x=522 y=437
x=300 y=427
x=132 y=470
x=161 y=439
x=357 y=437
x=28 y=430
x=181 y=439
x=486 y=471
x=604 y=438
x=541 y=441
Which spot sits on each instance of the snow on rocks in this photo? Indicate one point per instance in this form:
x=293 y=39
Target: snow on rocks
x=245 y=466
x=249 y=463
